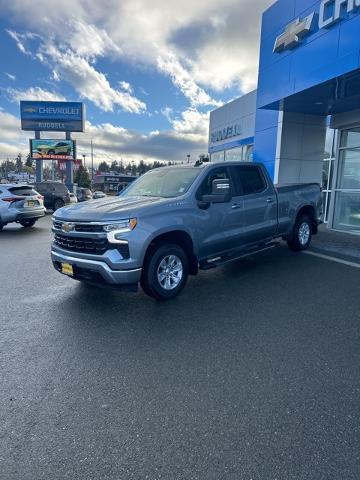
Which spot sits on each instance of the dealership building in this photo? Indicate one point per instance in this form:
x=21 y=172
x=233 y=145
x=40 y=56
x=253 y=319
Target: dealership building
x=303 y=121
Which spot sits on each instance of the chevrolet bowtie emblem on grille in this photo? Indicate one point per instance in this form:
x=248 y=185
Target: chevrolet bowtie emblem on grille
x=294 y=33
x=68 y=227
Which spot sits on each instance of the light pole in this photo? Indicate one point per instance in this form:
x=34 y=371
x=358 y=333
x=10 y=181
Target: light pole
x=92 y=162
x=188 y=157
x=84 y=157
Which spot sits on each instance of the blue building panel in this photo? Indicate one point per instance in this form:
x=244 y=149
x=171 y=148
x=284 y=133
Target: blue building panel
x=320 y=54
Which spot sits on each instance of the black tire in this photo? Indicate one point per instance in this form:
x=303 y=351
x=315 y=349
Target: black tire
x=300 y=238
x=58 y=204
x=2 y=225
x=30 y=222
x=150 y=282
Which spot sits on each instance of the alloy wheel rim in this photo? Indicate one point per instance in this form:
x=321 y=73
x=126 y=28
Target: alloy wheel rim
x=304 y=233
x=170 y=272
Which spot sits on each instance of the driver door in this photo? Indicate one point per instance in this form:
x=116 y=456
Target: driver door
x=218 y=224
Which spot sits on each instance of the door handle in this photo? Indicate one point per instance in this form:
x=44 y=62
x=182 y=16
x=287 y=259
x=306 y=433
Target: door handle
x=235 y=206
x=269 y=200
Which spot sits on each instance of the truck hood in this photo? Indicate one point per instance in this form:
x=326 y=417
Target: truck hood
x=108 y=209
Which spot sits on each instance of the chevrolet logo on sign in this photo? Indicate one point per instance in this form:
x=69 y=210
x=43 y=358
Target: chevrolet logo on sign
x=294 y=33
x=30 y=109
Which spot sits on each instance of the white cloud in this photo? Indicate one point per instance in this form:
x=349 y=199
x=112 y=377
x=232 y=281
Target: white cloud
x=88 y=82
x=10 y=76
x=20 y=41
x=34 y=93
x=115 y=142
x=218 y=51
x=184 y=81
x=126 y=86
x=88 y=41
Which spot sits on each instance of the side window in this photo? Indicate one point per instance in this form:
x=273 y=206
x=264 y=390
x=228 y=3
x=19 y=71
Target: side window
x=248 y=180
x=206 y=186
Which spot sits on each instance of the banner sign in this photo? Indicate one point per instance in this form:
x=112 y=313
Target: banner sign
x=52 y=149
x=52 y=116
x=62 y=165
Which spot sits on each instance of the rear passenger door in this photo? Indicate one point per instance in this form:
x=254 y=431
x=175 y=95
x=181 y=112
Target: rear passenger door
x=258 y=202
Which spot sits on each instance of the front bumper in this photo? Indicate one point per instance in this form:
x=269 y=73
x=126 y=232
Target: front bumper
x=95 y=271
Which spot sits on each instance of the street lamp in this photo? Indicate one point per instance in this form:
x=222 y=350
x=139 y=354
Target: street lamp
x=84 y=156
x=188 y=157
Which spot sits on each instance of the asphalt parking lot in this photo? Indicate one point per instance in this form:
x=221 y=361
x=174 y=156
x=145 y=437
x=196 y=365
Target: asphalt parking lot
x=251 y=374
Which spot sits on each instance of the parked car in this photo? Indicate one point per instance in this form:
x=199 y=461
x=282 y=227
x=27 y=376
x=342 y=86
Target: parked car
x=99 y=194
x=20 y=204
x=173 y=221
x=84 y=194
x=73 y=198
x=55 y=194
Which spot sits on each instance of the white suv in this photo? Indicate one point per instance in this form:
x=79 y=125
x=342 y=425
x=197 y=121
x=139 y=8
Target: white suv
x=21 y=204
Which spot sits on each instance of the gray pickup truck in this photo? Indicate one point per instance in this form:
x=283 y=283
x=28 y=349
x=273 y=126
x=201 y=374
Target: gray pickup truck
x=173 y=221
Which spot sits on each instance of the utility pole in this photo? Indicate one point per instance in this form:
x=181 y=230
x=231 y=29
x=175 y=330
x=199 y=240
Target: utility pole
x=92 y=162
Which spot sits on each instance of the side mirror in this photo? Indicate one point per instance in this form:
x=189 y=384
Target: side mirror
x=221 y=192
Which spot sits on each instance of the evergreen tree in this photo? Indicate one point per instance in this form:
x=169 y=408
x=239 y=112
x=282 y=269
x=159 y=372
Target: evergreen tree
x=82 y=177
x=19 y=163
x=104 y=167
x=29 y=161
x=114 y=167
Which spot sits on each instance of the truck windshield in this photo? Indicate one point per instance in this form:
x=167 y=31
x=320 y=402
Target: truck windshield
x=166 y=182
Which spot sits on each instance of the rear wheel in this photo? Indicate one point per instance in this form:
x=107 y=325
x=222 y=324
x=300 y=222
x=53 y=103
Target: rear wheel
x=2 y=225
x=28 y=222
x=300 y=238
x=165 y=272
x=58 y=203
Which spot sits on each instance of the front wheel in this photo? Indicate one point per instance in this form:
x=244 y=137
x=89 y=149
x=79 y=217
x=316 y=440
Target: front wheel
x=28 y=223
x=300 y=238
x=165 y=272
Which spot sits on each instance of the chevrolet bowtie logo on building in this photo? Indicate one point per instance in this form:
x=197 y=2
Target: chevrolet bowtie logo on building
x=294 y=33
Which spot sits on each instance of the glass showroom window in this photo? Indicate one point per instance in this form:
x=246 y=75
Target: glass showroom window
x=234 y=154
x=328 y=171
x=347 y=192
x=218 y=156
x=239 y=154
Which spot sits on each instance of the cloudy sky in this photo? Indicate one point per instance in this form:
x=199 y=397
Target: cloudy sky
x=149 y=72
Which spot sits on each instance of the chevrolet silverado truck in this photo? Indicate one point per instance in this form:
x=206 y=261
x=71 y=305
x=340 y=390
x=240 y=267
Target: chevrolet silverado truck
x=175 y=220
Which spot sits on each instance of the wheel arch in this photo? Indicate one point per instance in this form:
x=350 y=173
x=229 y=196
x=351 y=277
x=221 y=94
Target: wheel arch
x=177 y=237
x=308 y=210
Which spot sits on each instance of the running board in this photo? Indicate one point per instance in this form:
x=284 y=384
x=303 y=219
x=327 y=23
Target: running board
x=223 y=259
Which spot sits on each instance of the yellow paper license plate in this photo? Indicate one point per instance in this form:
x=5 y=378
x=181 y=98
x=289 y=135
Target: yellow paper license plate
x=31 y=204
x=67 y=269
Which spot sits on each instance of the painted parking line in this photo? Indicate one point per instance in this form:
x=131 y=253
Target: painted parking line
x=333 y=259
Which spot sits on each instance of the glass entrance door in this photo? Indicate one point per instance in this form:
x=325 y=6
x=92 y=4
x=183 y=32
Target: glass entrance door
x=347 y=191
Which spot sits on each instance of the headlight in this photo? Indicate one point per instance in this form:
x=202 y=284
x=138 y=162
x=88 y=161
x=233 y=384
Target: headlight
x=114 y=230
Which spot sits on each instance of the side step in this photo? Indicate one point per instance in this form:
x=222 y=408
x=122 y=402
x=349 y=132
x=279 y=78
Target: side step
x=235 y=255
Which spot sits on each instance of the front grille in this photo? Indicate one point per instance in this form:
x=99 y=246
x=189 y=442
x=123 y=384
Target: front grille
x=89 y=245
x=81 y=227
x=82 y=245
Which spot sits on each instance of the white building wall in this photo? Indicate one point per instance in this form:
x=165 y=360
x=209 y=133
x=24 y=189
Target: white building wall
x=238 y=115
